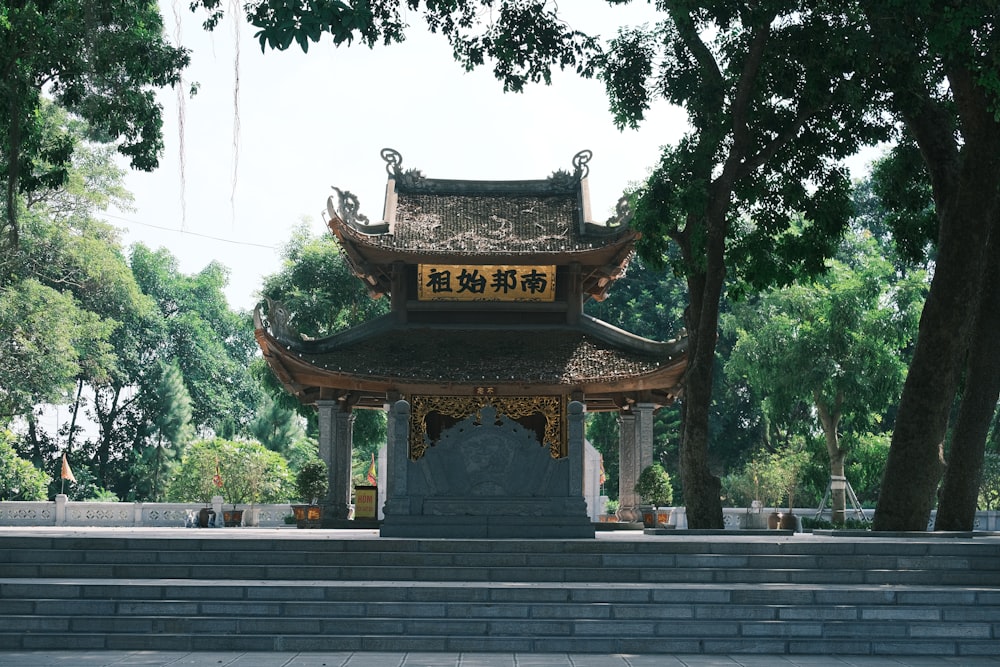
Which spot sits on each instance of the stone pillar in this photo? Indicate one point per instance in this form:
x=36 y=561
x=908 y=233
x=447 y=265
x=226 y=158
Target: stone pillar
x=397 y=502
x=61 y=500
x=336 y=432
x=575 y=433
x=635 y=452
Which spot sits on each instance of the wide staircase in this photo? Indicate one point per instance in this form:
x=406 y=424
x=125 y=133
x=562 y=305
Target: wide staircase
x=256 y=590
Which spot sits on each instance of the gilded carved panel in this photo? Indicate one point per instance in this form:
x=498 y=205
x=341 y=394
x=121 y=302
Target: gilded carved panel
x=550 y=408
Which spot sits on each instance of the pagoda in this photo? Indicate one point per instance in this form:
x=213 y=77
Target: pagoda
x=486 y=362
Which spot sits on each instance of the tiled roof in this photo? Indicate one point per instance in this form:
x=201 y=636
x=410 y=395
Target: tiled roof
x=556 y=356
x=485 y=223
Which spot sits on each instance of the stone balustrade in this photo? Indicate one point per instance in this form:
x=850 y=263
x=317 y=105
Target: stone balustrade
x=65 y=512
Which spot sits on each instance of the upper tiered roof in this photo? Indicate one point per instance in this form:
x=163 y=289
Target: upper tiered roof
x=430 y=345
x=530 y=221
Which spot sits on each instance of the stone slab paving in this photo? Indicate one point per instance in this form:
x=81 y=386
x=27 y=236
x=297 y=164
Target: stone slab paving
x=371 y=659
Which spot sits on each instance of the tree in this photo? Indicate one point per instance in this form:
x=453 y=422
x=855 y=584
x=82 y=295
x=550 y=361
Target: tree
x=835 y=344
x=19 y=479
x=773 y=101
x=276 y=427
x=941 y=62
x=171 y=425
x=317 y=287
x=248 y=472
x=102 y=63
x=43 y=335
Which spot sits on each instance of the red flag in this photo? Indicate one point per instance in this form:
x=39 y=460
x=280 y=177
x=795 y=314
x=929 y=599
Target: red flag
x=217 y=480
x=66 y=472
x=372 y=475
x=604 y=477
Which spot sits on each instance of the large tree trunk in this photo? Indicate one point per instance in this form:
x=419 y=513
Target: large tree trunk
x=702 y=489
x=960 y=491
x=966 y=198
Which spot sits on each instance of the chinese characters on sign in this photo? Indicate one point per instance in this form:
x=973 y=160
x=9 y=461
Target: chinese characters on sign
x=486 y=282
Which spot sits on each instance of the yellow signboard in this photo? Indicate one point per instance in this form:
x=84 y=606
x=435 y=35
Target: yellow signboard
x=486 y=282
x=365 y=502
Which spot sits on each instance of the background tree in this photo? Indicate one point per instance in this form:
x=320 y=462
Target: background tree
x=773 y=102
x=942 y=67
x=101 y=62
x=651 y=302
x=835 y=344
x=171 y=427
x=19 y=479
x=324 y=297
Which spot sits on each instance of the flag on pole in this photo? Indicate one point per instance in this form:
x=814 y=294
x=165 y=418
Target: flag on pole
x=217 y=480
x=604 y=477
x=372 y=475
x=66 y=472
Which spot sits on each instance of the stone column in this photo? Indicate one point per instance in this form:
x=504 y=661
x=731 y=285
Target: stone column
x=336 y=432
x=635 y=452
x=577 y=414
x=397 y=459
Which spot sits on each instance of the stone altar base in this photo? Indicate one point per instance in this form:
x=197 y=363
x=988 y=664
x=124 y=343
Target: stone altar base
x=489 y=477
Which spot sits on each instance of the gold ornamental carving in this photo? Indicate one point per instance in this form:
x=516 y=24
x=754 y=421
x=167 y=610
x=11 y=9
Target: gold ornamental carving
x=513 y=407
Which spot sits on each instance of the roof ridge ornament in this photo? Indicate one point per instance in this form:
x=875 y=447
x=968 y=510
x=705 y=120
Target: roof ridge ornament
x=411 y=178
x=580 y=160
x=393 y=161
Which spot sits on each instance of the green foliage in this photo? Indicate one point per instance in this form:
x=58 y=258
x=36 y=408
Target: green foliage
x=755 y=481
x=211 y=344
x=172 y=429
x=19 y=479
x=653 y=486
x=900 y=183
x=250 y=473
x=317 y=287
x=102 y=63
x=312 y=482
x=45 y=340
x=276 y=427
x=989 y=487
x=866 y=459
x=602 y=432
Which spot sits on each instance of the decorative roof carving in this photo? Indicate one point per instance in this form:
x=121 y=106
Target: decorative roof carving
x=344 y=206
x=413 y=180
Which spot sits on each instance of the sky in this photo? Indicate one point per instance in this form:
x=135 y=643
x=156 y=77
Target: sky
x=307 y=122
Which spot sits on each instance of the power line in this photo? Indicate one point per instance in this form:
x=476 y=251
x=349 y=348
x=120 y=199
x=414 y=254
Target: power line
x=190 y=233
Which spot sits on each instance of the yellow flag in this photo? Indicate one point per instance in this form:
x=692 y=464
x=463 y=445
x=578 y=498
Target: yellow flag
x=66 y=472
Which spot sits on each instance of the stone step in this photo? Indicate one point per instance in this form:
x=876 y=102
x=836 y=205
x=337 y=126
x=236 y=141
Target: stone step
x=786 y=595
x=313 y=616
x=949 y=562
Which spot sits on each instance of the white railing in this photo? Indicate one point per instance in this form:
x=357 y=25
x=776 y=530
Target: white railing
x=64 y=512
x=737 y=518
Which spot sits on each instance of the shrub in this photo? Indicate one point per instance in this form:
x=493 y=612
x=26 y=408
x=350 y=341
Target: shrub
x=312 y=481
x=654 y=486
x=19 y=479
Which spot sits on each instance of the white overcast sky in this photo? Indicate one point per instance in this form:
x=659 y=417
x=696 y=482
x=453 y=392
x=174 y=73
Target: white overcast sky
x=311 y=121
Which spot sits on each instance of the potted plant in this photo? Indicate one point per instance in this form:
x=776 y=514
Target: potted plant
x=654 y=487
x=249 y=477
x=311 y=485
